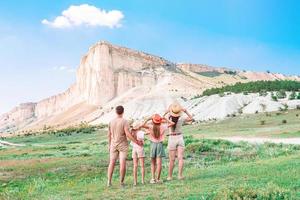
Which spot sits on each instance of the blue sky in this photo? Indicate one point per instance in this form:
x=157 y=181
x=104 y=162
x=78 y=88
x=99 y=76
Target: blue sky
x=38 y=60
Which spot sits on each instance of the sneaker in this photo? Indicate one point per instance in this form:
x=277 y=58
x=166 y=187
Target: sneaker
x=159 y=181
x=122 y=185
x=109 y=184
x=152 y=181
x=181 y=177
x=169 y=178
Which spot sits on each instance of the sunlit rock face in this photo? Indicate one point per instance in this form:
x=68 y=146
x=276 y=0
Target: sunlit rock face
x=108 y=71
x=109 y=75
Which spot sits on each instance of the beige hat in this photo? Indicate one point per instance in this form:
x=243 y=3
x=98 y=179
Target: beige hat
x=136 y=124
x=175 y=109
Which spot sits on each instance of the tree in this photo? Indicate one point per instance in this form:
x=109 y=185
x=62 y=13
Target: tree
x=281 y=94
x=261 y=87
x=292 y=95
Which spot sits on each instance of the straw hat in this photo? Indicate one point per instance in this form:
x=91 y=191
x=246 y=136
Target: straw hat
x=156 y=118
x=175 y=109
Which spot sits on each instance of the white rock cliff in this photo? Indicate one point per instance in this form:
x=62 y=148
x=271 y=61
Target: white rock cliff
x=109 y=75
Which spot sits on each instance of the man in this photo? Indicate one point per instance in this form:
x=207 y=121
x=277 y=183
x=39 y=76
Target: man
x=118 y=132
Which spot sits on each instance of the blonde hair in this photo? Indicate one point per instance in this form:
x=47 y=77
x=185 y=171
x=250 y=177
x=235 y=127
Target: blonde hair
x=156 y=130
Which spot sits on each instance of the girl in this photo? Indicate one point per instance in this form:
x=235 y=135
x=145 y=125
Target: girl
x=176 y=142
x=156 y=135
x=138 y=153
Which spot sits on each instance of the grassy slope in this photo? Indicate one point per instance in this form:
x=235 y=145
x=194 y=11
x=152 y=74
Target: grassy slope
x=74 y=167
x=249 y=125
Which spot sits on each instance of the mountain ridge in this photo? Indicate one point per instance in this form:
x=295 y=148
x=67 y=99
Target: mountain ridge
x=109 y=75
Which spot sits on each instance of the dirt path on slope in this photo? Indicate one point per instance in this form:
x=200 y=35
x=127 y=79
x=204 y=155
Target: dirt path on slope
x=4 y=143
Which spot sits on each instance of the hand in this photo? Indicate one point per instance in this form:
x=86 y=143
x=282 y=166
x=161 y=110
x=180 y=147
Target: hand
x=140 y=143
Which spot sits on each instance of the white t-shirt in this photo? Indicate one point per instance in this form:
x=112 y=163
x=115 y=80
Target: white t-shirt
x=180 y=123
x=140 y=135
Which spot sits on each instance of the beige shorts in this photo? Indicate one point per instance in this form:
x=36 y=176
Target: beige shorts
x=119 y=151
x=138 y=152
x=175 y=141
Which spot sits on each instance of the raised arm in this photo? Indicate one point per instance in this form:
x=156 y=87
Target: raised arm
x=167 y=111
x=170 y=123
x=144 y=125
x=189 y=118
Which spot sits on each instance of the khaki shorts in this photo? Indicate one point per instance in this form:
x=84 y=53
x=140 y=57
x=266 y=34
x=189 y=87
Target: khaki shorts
x=138 y=152
x=175 y=141
x=120 y=151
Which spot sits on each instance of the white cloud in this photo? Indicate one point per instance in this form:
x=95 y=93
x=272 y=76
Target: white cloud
x=86 y=15
x=64 y=68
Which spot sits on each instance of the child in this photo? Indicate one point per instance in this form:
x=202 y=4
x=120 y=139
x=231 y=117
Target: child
x=138 y=153
x=156 y=135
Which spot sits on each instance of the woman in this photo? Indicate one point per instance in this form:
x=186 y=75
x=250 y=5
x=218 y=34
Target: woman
x=156 y=135
x=176 y=141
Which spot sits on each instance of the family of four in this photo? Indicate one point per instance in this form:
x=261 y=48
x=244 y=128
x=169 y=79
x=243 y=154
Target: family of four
x=156 y=127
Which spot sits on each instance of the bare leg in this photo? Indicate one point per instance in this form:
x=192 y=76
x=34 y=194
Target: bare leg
x=110 y=171
x=159 y=167
x=172 y=156
x=142 y=163
x=153 y=167
x=135 y=166
x=122 y=159
x=180 y=152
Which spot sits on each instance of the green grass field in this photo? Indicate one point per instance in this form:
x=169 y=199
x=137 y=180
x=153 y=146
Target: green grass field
x=250 y=126
x=73 y=166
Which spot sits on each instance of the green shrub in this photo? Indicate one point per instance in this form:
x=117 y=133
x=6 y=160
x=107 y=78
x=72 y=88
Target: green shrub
x=274 y=98
x=222 y=94
x=263 y=93
x=210 y=73
x=271 y=192
x=292 y=96
x=262 y=122
x=281 y=94
x=257 y=87
x=285 y=107
x=230 y=72
x=284 y=121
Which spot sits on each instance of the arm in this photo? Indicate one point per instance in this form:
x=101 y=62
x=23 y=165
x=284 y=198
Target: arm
x=144 y=125
x=167 y=111
x=190 y=117
x=128 y=134
x=109 y=137
x=170 y=123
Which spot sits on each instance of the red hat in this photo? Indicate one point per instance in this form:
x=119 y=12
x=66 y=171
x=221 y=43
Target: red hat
x=156 y=118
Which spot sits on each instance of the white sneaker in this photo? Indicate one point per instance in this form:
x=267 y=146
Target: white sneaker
x=152 y=181
x=159 y=181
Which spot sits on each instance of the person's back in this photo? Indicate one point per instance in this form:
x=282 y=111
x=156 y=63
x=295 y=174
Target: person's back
x=118 y=131
x=118 y=135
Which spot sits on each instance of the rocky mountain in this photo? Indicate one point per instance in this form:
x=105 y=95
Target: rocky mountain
x=109 y=75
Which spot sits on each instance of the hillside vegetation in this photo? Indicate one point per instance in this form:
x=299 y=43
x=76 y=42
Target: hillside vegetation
x=256 y=87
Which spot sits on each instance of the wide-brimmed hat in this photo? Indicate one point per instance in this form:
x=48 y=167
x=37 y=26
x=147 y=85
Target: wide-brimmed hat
x=136 y=124
x=175 y=109
x=156 y=118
